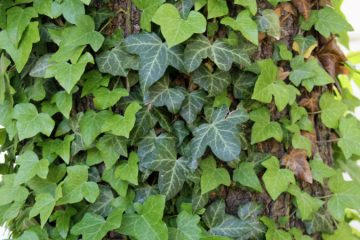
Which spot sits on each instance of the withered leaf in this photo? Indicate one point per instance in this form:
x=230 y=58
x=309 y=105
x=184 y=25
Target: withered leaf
x=312 y=137
x=303 y=6
x=331 y=57
x=297 y=162
x=312 y=102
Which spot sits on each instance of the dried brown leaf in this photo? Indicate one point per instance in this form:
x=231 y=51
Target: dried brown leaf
x=303 y=6
x=297 y=162
x=311 y=103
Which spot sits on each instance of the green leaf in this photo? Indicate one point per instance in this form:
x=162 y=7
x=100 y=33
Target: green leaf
x=211 y=176
x=276 y=180
x=147 y=223
x=344 y=231
x=30 y=122
x=154 y=55
x=44 y=206
x=30 y=166
x=222 y=54
x=214 y=83
x=246 y=176
x=187 y=227
x=217 y=8
x=92 y=81
x=304 y=45
x=263 y=128
x=105 y=98
x=122 y=125
x=331 y=110
x=349 y=136
x=76 y=187
x=221 y=135
x=192 y=105
x=176 y=29
x=250 y=4
x=63 y=102
x=11 y=192
x=346 y=194
x=249 y=213
x=160 y=94
x=111 y=148
x=20 y=54
x=320 y=170
x=268 y=85
x=306 y=204
x=128 y=171
x=117 y=62
x=330 y=21
x=71 y=9
x=244 y=24
x=269 y=22
x=148 y=8
x=144 y=122
x=69 y=74
x=91 y=125
x=309 y=73
x=95 y=227
x=243 y=84
x=77 y=37
x=321 y=222
x=59 y=147
x=299 y=141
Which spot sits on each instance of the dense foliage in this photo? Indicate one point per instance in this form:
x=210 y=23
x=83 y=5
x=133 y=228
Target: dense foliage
x=217 y=120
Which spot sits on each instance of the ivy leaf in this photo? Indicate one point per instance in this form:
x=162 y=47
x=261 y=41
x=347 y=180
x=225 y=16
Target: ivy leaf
x=20 y=54
x=304 y=45
x=211 y=176
x=176 y=29
x=222 y=54
x=244 y=24
x=128 y=171
x=308 y=73
x=192 y=105
x=30 y=166
x=320 y=170
x=63 y=102
x=246 y=176
x=160 y=94
x=343 y=231
x=214 y=214
x=111 y=148
x=243 y=84
x=59 y=147
x=122 y=125
x=144 y=122
x=30 y=122
x=147 y=223
x=95 y=227
x=350 y=136
x=276 y=180
x=187 y=227
x=263 y=128
x=71 y=9
x=44 y=206
x=148 y=8
x=10 y=192
x=217 y=8
x=69 y=74
x=250 y=4
x=214 y=83
x=299 y=141
x=345 y=195
x=268 y=85
x=75 y=186
x=105 y=98
x=330 y=21
x=249 y=213
x=331 y=110
x=306 y=204
x=91 y=125
x=221 y=135
x=269 y=22
x=117 y=62
x=77 y=37
x=154 y=55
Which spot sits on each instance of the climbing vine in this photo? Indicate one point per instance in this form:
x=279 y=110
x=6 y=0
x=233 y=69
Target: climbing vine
x=177 y=119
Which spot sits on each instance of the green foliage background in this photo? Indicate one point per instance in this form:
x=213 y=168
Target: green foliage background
x=142 y=136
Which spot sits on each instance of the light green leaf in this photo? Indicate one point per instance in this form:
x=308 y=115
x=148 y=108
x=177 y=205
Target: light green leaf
x=176 y=29
x=49 y=8
x=122 y=125
x=213 y=82
x=30 y=166
x=30 y=122
x=71 y=9
x=343 y=231
x=111 y=148
x=276 y=180
x=148 y=8
x=63 y=102
x=246 y=176
x=57 y=146
x=44 y=206
x=299 y=141
x=244 y=24
x=320 y=170
x=211 y=176
x=92 y=81
x=263 y=128
x=192 y=105
x=105 y=98
x=349 y=136
x=160 y=94
x=309 y=73
x=20 y=54
x=221 y=135
x=187 y=227
x=154 y=55
x=128 y=171
x=75 y=186
x=250 y=4
x=11 y=192
x=331 y=110
x=217 y=8
x=269 y=22
x=330 y=21
x=147 y=222
x=222 y=54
